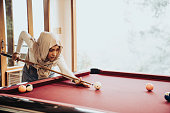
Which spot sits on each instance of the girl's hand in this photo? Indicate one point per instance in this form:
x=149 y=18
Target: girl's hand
x=79 y=82
x=15 y=56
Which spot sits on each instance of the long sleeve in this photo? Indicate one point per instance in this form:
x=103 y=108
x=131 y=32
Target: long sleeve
x=63 y=67
x=24 y=36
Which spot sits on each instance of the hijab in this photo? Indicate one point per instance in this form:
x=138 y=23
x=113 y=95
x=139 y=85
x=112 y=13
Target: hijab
x=40 y=50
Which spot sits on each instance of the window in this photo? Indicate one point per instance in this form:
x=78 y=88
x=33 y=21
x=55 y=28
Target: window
x=20 y=22
x=38 y=17
x=124 y=35
x=16 y=21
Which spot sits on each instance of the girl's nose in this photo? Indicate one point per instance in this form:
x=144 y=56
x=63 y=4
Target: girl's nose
x=54 y=53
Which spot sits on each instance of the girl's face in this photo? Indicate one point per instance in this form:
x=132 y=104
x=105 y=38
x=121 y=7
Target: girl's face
x=53 y=53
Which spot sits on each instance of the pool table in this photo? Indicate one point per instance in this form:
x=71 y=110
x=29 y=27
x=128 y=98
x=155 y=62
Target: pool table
x=121 y=92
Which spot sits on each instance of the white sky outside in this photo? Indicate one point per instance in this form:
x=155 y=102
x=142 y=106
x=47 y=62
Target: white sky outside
x=103 y=28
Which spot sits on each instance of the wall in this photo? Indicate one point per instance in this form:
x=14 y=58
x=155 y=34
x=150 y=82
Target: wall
x=60 y=17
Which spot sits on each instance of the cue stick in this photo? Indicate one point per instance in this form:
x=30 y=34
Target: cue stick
x=44 y=67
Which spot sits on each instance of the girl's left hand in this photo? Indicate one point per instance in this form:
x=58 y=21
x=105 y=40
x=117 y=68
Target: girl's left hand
x=79 y=82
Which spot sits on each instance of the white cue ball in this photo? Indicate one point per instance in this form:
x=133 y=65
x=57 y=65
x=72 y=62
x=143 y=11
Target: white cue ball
x=97 y=85
x=29 y=87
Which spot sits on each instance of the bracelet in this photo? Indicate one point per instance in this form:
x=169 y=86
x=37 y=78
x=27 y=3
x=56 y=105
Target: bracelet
x=17 y=53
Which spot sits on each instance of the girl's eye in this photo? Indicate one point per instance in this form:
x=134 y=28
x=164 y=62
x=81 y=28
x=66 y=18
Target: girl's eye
x=50 y=50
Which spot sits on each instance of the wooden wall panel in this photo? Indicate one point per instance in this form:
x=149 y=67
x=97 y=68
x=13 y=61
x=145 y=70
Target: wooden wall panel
x=74 y=35
x=46 y=15
x=30 y=17
x=3 y=47
x=10 y=30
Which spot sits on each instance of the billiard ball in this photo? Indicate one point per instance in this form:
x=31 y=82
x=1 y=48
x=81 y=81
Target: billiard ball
x=149 y=86
x=97 y=85
x=29 y=87
x=167 y=96
x=22 y=88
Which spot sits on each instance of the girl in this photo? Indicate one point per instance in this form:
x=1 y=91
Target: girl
x=45 y=51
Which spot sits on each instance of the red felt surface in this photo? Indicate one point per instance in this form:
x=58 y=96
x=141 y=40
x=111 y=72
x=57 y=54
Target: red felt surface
x=118 y=94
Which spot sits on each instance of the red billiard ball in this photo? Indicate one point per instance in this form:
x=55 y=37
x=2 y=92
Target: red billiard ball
x=22 y=88
x=29 y=87
x=149 y=86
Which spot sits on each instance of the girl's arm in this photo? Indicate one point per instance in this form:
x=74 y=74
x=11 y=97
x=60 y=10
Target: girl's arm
x=63 y=67
x=24 y=36
x=65 y=70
